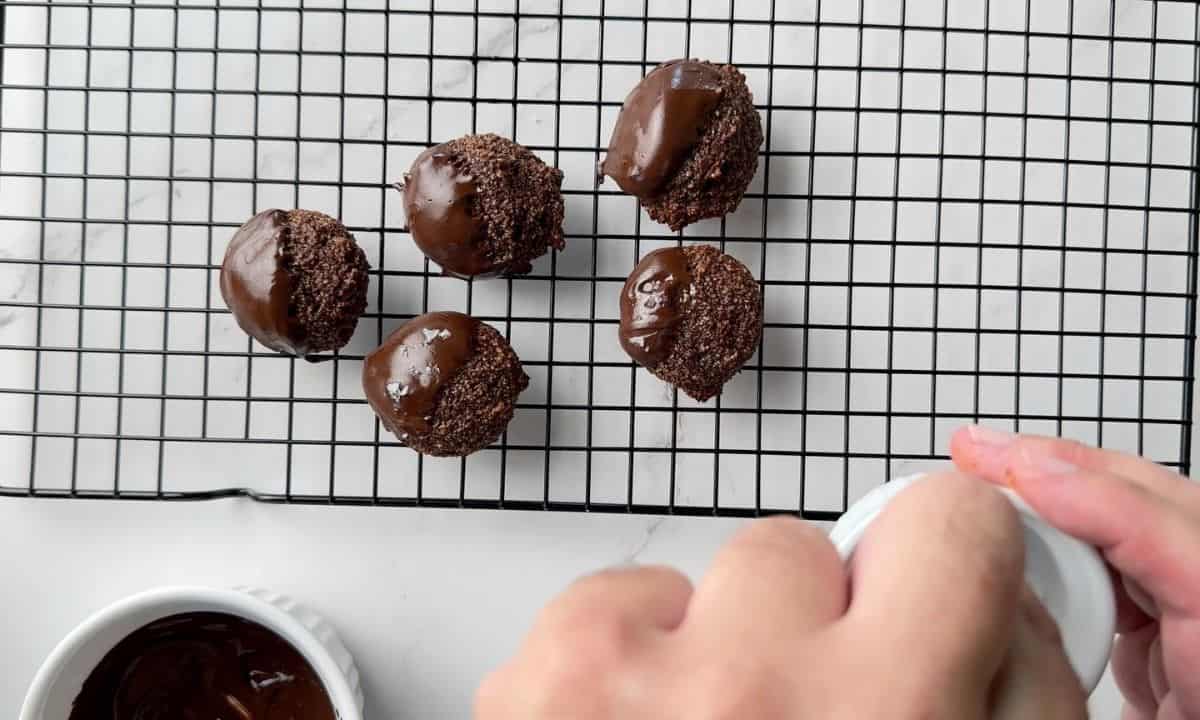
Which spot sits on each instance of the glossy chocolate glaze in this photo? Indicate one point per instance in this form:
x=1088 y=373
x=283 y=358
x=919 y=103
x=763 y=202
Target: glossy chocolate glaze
x=203 y=665
x=659 y=124
x=402 y=377
x=440 y=204
x=652 y=305
x=256 y=286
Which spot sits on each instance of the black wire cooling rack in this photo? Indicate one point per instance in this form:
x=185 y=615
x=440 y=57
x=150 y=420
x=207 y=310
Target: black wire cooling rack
x=966 y=210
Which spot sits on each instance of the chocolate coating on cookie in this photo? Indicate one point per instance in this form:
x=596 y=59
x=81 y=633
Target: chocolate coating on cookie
x=444 y=383
x=652 y=305
x=662 y=120
x=440 y=197
x=686 y=142
x=483 y=205
x=295 y=280
x=692 y=316
x=255 y=284
x=404 y=375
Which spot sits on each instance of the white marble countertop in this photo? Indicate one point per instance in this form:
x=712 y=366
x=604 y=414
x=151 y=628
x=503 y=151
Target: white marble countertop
x=427 y=600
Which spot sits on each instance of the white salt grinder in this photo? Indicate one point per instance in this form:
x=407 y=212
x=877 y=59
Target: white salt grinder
x=1067 y=575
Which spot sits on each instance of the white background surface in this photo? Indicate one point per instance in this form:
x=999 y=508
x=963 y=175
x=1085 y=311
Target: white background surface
x=428 y=600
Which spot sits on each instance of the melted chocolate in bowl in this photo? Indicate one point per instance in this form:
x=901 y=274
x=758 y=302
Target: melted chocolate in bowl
x=203 y=665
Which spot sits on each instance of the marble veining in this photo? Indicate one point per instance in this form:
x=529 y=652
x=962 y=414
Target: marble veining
x=807 y=368
x=635 y=553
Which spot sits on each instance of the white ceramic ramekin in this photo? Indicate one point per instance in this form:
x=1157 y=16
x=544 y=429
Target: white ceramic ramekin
x=1067 y=575
x=61 y=676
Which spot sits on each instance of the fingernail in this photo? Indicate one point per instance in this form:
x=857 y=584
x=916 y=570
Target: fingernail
x=990 y=437
x=1032 y=465
x=1044 y=464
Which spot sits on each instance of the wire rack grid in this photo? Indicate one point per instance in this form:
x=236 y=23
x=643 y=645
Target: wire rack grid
x=966 y=210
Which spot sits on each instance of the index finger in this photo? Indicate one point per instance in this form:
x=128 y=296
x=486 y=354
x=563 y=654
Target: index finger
x=987 y=452
x=644 y=596
x=937 y=578
x=777 y=580
x=1142 y=534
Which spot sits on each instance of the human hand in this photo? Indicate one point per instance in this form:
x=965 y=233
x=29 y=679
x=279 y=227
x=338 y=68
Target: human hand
x=1146 y=521
x=930 y=620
